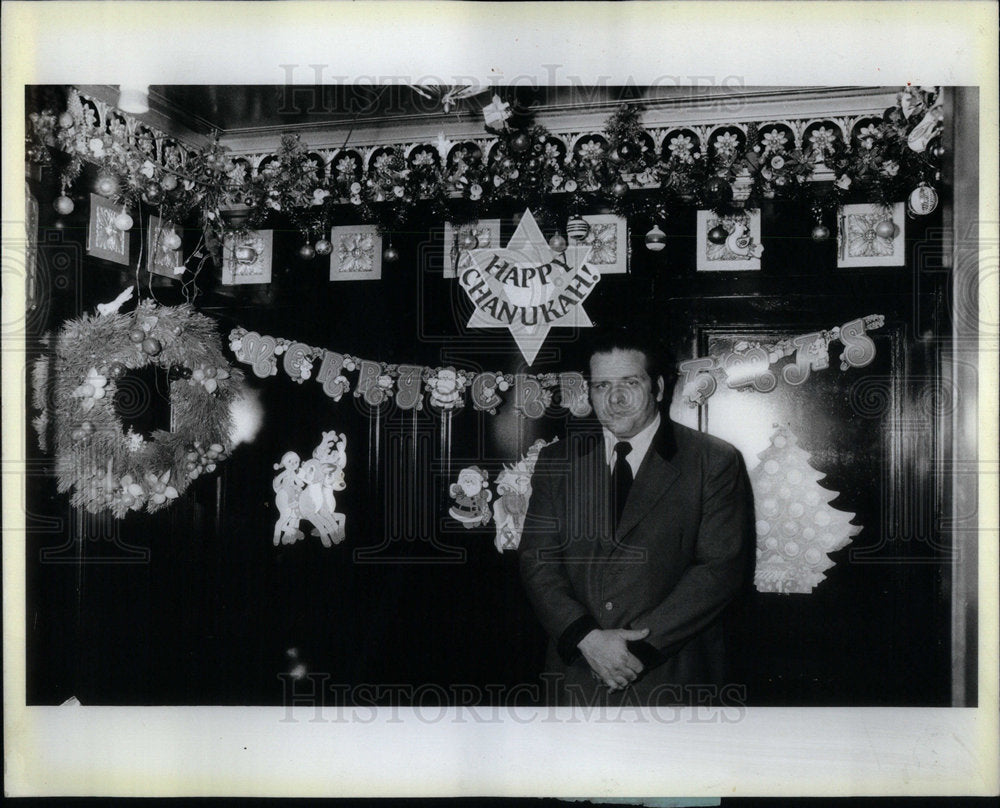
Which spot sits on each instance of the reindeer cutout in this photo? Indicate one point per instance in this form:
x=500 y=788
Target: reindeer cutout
x=305 y=491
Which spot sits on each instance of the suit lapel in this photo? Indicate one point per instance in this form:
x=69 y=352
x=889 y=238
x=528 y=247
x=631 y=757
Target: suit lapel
x=656 y=475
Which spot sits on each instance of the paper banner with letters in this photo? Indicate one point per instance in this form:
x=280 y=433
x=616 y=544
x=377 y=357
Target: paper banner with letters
x=532 y=395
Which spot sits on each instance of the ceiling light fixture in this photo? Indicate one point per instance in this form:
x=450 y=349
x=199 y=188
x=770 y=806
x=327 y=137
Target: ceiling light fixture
x=133 y=99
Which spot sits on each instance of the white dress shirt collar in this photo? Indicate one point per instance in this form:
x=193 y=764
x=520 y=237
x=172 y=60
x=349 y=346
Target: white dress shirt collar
x=640 y=445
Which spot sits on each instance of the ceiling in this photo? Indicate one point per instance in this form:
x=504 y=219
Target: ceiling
x=251 y=119
x=245 y=109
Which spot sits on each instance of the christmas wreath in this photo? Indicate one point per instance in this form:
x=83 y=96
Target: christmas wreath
x=107 y=465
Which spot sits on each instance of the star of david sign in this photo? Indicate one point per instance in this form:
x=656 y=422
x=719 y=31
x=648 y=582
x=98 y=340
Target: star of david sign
x=528 y=288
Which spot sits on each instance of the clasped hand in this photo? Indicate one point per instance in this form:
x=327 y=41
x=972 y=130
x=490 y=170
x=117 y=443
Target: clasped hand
x=609 y=658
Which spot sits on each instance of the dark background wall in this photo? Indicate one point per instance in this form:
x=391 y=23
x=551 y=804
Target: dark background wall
x=196 y=606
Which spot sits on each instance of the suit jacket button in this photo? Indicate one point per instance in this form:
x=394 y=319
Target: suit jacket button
x=609 y=606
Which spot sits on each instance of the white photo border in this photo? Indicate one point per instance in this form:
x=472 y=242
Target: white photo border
x=177 y=751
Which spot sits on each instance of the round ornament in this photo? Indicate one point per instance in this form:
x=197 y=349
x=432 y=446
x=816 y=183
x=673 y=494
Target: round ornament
x=307 y=252
x=169 y=182
x=123 y=221
x=520 y=142
x=171 y=241
x=66 y=120
x=119 y=470
x=63 y=205
x=136 y=334
x=577 y=228
x=245 y=254
x=656 y=239
x=718 y=234
x=390 y=254
x=923 y=200
x=152 y=193
x=619 y=189
x=323 y=247
x=557 y=243
x=718 y=192
x=107 y=186
x=886 y=229
x=820 y=232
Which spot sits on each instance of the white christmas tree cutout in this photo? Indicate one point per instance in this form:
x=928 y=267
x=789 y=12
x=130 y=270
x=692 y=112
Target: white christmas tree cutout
x=797 y=528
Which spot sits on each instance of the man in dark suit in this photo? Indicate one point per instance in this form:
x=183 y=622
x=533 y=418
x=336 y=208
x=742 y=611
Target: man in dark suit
x=636 y=541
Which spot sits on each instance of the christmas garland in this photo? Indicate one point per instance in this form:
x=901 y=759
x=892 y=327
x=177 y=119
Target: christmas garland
x=107 y=466
x=747 y=366
x=882 y=159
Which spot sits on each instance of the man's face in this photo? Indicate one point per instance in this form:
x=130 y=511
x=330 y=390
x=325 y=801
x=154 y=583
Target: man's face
x=622 y=392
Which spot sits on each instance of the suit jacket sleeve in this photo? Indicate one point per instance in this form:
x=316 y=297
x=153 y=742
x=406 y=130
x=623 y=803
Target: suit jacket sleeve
x=543 y=542
x=716 y=576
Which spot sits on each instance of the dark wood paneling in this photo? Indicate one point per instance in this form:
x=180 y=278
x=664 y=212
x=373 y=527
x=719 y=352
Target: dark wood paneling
x=209 y=613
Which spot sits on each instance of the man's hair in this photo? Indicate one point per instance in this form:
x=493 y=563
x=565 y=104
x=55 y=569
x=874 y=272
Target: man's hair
x=660 y=359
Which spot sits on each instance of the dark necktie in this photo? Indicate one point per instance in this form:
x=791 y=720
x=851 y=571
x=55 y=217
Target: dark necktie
x=621 y=479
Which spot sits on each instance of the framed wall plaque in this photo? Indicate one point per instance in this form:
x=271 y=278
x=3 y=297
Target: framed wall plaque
x=739 y=251
x=160 y=260
x=246 y=258
x=487 y=233
x=357 y=253
x=871 y=236
x=608 y=239
x=104 y=240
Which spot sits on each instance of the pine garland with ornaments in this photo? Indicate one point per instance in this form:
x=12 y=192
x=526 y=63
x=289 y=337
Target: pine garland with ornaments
x=107 y=466
x=890 y=157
